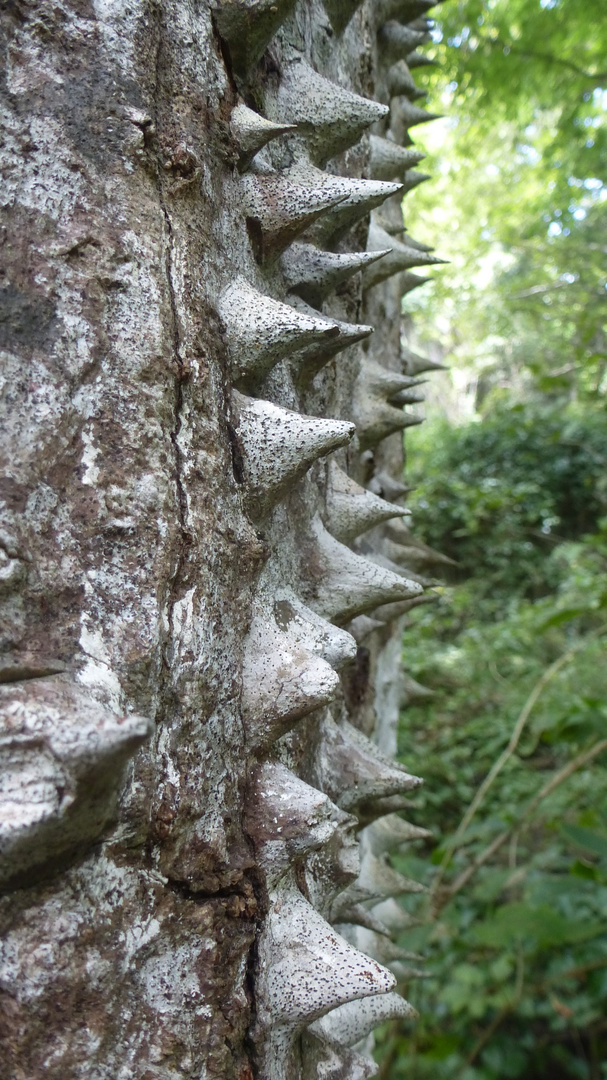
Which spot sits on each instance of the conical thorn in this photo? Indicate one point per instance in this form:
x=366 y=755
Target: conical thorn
x=251 y=131
x=277 y=446
x=329 y=119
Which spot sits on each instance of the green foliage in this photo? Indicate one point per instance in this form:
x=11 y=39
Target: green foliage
x=518 y=951
x=505 y=492
x=536 y=64
x=517 y=958
x=513 y=487
x=518 y=203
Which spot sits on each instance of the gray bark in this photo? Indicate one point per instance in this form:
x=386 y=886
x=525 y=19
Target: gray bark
x=199 y=654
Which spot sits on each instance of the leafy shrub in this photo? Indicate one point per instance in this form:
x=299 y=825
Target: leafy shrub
x=503 y=493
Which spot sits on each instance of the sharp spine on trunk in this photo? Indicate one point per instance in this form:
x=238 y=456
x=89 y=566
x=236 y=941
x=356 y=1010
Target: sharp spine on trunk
x=369 y=890
x=389 y=160
x=415 y=558
x=305 y=969
x=407 y=397
x=351 y=509
x=247 y=26
x=413 y=179
x=358 y=915
x=414 y=549
x=416 y=365
x=399 y=258
x=287 y=819
x=395 y=610
x=413 y=691
x=329 y=119
x=261 y=331
x=375 y=418
x=345 y=585
x=377 y=879
x=67 y=757
x=278 y=446
x=350 y=1023
x=363 y=196
x=390 y=832
x=393 y=916
x=310 y=360
x=332 y=867
x=351 y=769
x=374 y=808
x=395 y=40
x=379 y=946
x=400 y=81
x=381 y=381
x=311 y=272
x=407 y=281
x=282 y=681
x=385 y=485
x=251 y=131
x=382 y=560
x=280 y=206
x=331 y=643
x=411 y=115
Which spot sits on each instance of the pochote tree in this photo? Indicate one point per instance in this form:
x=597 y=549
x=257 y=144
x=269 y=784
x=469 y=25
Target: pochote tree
x=200 y=679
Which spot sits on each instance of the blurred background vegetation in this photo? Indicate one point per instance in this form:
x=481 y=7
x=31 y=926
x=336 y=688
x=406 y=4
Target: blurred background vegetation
x=511 y=475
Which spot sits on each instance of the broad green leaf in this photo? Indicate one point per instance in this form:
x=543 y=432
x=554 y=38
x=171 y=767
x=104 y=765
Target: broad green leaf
x=588 y=839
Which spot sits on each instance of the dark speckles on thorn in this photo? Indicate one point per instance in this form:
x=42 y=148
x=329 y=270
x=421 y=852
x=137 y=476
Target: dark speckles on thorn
x=68 y=755
x=329 y=119
x=346 y=585
x=311 y=272
x=282 y=679
x=261 y=331
x=361 y=196
x=351 y=509
x=246 y=27
x=278 y=446
x=351 y=769
x=251 y=131
x=308 y=970
x=352 y=1022
x=281 y=206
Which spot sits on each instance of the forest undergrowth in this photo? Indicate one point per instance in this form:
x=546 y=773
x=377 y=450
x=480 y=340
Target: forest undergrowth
x=510 y=475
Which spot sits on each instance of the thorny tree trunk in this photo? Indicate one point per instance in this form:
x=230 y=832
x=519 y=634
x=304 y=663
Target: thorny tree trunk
x=184 y=775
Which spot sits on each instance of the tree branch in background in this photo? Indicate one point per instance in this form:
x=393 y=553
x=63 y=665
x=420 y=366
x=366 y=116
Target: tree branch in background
x=547 y=58
x=506 y=754
x=559 y=778
x=502 y=1015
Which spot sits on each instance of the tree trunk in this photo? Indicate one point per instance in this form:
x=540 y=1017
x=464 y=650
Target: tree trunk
x=185 y=347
